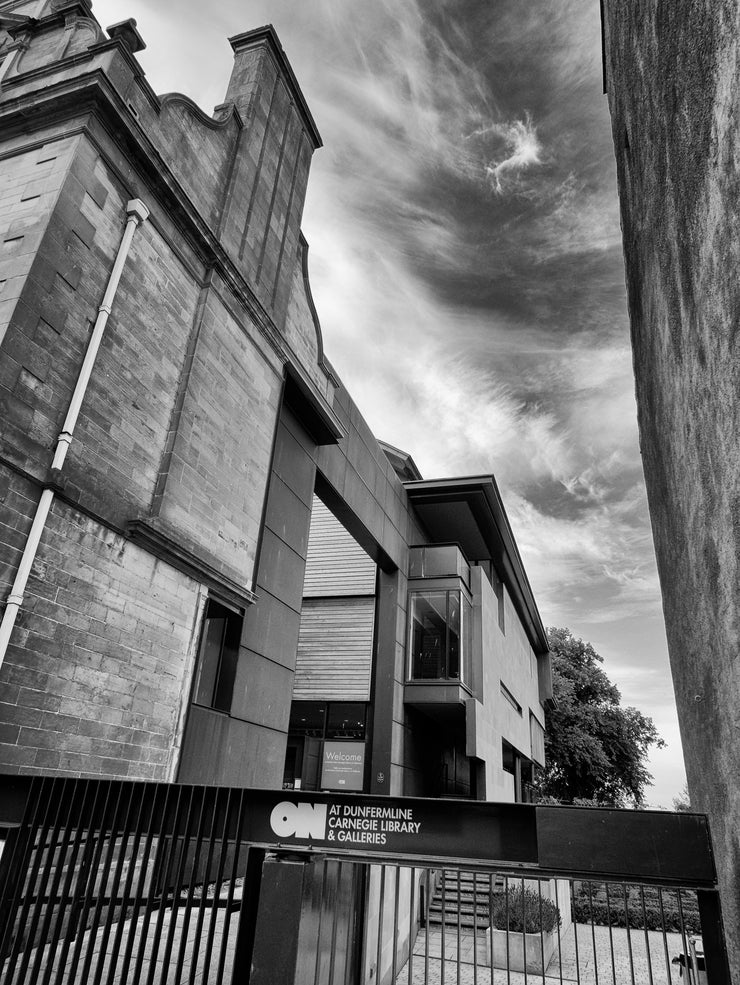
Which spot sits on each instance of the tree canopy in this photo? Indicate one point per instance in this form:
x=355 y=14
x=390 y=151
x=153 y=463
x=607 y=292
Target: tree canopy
x=682 y=803
x=595 y=749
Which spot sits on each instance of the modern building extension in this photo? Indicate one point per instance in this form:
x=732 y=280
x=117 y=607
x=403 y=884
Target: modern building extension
x=210 y=569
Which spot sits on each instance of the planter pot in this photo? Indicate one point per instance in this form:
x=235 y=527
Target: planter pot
x=525 y=951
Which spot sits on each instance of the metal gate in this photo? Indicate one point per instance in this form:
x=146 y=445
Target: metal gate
x=105 y=882
x=108 y=882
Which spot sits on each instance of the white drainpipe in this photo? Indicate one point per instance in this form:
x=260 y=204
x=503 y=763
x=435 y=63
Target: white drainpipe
x=137 y=213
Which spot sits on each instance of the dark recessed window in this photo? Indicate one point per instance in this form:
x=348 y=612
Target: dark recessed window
x=308 y=718
x=346 y=720
x=328 y=719
x=217 y=659
x=510 y=698
x=498 y=588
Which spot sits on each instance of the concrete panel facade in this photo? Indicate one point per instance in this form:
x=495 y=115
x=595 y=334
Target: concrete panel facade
x=507 y=659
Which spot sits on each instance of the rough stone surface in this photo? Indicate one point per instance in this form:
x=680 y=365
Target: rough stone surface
x=92 y=682
x=673 y=77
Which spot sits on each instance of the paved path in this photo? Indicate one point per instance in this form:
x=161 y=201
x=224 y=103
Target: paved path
x=589 y=956
x=585 y=956
x=159 y=962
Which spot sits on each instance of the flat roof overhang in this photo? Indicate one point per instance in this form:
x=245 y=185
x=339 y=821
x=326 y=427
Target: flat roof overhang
x=470 y=511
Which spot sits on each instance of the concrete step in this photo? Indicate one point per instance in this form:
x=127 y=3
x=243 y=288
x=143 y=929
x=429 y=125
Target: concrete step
x=462 y=900
x=453 y=918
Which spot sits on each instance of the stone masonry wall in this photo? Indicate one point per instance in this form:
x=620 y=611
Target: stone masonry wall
x=30 y=183
x=126 y=411
x=673 y=76
x=213 y=491
x=93 y=680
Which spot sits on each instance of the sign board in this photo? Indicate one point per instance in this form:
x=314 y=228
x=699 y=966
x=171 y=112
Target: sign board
x=659 y=846
x=407 y=827
x=343 y=766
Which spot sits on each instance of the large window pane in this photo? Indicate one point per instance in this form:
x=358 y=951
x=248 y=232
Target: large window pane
x=346 y=720
x=308 y=718
x=468 y=642
x=428 y=635
x=453 y=635
x=227 y=668
x=210 y=651
x=438 y=629
x=218 y=657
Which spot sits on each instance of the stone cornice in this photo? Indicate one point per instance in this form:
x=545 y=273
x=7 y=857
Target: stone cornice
x=165 y=546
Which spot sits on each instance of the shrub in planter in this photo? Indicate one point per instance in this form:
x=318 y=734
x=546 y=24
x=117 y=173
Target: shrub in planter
x=524 y=911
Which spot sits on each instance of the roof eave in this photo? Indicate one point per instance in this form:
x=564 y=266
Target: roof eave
x=517 y=581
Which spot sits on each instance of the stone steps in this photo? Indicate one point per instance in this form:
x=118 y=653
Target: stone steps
x=461 y=899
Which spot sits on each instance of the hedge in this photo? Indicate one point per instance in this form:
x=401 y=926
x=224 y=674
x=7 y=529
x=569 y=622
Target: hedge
x=586 y=911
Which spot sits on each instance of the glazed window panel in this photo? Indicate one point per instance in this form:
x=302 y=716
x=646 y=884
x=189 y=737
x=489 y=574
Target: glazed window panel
x=308 y=718
x=346 y=720
x=454 y=638
x=439 y=625
x=218 y=657
x=428 y=635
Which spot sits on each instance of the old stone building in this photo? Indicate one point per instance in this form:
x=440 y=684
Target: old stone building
x=169 y=420
x=673 y=77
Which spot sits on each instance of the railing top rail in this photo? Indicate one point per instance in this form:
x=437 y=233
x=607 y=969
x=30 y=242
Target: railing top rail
x=576 y=842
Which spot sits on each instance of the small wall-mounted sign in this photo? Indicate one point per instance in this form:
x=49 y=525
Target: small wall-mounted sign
x=343 y=766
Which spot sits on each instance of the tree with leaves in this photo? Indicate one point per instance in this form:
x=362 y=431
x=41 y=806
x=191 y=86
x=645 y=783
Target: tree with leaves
x=595 y=749
x=682 y=803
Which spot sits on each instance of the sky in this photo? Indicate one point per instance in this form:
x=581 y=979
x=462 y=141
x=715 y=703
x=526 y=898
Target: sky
x=466 y=263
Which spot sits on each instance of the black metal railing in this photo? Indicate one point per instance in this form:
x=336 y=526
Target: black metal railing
x=456 y=925
x=111 y=882
x=106 y=882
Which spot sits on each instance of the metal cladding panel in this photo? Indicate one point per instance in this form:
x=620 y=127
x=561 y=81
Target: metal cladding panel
x=336 y=564
x=335 y=650
x=655 y=845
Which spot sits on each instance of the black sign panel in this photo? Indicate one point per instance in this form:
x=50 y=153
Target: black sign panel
x=642 y=845
x=412 y=827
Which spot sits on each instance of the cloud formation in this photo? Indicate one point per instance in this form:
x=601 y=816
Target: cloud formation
x=521 y=144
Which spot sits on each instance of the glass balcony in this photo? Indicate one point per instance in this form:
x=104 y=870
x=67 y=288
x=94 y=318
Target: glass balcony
x=438 y=561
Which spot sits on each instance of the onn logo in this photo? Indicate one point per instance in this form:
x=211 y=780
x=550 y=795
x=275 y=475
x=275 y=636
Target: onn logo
x=301 y=820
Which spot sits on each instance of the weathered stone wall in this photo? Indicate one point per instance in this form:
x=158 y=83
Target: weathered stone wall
x=673 y=77
x=93 y=679
x=31 y=182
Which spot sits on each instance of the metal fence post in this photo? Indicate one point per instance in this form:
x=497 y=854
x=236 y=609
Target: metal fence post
x=277 y=929
x=713 y=937
x=245 y=937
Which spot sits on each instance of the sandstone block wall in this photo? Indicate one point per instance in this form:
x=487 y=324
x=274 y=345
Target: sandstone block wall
x=93 y=680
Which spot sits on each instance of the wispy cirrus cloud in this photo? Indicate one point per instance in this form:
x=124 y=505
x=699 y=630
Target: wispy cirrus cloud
x=521 y=146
